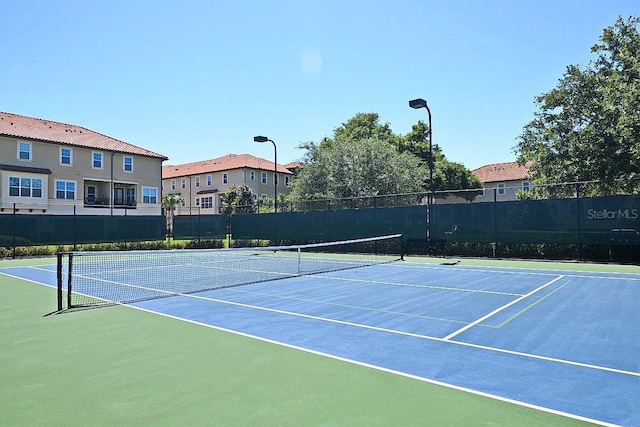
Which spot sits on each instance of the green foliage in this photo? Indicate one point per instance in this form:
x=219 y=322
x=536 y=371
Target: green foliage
x=237 y=200
x=365 y=158
x=588 y=127
x=169 y=203
x=359 y=168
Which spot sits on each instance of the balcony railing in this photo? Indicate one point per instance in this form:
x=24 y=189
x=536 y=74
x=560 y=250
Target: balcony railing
x=102 y=202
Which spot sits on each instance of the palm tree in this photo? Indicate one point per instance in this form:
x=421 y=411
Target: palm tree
x=169 y=203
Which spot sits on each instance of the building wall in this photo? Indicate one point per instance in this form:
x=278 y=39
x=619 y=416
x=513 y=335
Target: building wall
x=507 y=192
x=146 y=173
x=194 y=195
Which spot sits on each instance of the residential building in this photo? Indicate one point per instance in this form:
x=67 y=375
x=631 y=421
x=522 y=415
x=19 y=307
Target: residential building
x=201 y=183
x=503 y=180
x=59 y=168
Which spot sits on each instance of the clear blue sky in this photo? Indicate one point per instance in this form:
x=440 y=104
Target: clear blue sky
x=197 y=79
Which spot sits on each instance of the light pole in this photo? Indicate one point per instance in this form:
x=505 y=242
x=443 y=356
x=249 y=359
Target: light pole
x=275 y=169
x=417 y=104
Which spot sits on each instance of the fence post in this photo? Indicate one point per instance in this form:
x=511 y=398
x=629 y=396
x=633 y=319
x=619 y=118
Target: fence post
x=495 y=222
x=578 y=221
x=15 y=230
x=75 y=227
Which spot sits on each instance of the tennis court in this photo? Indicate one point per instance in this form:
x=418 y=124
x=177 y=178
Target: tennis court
x=561 y=340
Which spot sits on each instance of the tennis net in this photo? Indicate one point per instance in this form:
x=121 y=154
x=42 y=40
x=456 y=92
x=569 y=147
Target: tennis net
x=99 y=278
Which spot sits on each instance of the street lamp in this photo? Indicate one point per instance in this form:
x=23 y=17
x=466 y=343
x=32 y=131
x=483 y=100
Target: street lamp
x=417 y=104
x=275 y=169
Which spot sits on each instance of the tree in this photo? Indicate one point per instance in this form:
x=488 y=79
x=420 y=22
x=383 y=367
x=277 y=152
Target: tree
x=237 y=200
x=588 y=127
x=365 y=158
x=169 y=203
x=366 y=167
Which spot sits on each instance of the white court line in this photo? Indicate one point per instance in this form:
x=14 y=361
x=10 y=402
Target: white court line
x=411 y=334
x=382 y=369
x=499 y=309
x=588 y=274
x=392 y=331
x=379 y=368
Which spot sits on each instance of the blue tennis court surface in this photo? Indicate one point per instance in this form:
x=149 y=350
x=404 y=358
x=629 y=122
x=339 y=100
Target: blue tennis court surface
x=568 y=342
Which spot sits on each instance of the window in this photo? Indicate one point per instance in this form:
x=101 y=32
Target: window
x=197 y=201
x=96 y=161
x=66 y=156
x=501 y=188
x=183 y=183
x=197 y=181
x=209 y=180
x=25 y=187
x=225 y=178
x=24 y=151
x=526 y=185
x=264 y=177
x=252 y=175
x=127 y=164
x=287 y=181
x=276 y=180
x=91 y=193
x=207 y=202
x=130 y=196
x=173 y=184
x=149 y=195
x=65 y=190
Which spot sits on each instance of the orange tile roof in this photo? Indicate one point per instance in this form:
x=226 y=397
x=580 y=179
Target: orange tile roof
x=228 y=162
x=500 y=172
x=17 y=126
x=292 y=166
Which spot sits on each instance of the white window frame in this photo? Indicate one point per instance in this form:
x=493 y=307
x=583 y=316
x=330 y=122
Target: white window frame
x=66 y=156
x=526 y=185
x=207 y=202
x=97 y=157
x=197 y=183
x=173 y=184
x=127 y=166
x=209 y=180
x=27 y=186
x=225 y=178
x=252 y=175
x=150 y=195
x=66 y=190
x=183 y=183
x=263 y=178
x=501 y=188
x=21 y=150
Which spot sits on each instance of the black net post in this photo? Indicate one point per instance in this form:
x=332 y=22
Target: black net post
x=59 y=276
x=69 y=281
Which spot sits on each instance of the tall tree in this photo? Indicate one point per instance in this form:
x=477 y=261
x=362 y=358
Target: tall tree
x=343 y=166
x=359 y=168
x=588 y=126
x=169 y=203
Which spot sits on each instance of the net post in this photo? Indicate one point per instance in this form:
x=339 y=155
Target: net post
x=402 y=247
x=59 y=277
x=69 y=281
